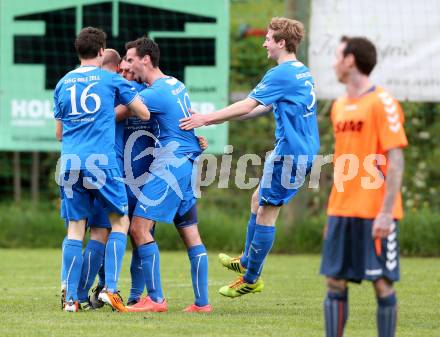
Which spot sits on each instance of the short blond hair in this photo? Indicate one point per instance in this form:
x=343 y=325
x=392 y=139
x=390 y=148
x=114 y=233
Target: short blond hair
x=289 y=30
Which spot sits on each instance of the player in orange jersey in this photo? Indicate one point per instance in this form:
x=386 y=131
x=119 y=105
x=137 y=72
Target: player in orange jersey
x=360 y=239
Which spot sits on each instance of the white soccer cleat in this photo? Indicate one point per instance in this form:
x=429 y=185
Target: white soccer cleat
x=71 y=306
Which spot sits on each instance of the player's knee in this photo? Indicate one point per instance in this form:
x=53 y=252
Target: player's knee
x=186 y=225
x=119 y=223
x=335 y=285
x=76 y=230
x=136 y=231
x=99 y=234
x=267 y=215
x=190 y=236
x=260 y=212
x=383 y=287
x=140 y=230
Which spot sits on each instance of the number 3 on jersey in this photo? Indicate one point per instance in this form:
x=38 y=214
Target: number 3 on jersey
x=83 y=99
x=312 y=94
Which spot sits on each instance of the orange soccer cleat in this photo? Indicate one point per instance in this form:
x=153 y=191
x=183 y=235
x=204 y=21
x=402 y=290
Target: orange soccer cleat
x=195 y=308
x=113 y=299
x=146 y=304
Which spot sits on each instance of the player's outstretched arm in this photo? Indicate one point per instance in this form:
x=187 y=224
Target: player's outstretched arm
x=259 y=111
x=139 y=109
x=393 y=182
x=237 y=109
x=59 y=130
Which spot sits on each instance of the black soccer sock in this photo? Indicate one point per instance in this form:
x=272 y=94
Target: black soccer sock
x=386 y=315
x=335 y=313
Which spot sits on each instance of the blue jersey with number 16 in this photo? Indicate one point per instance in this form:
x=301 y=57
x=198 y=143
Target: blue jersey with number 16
x=84 y=101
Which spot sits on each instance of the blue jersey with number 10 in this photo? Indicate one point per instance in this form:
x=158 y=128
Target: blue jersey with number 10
x=84 y=101
x=289 y=87
x=168 y=101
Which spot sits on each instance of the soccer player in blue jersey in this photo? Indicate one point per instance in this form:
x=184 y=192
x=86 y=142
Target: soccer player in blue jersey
x=167 y=195
x=126 y=126
x=139 y=129
x=100 y=226
x=84 y=109
x=99 y=223
x=288 y=89
x=143 y=133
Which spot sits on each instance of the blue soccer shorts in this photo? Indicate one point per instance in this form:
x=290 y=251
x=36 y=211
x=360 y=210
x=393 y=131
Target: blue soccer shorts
x=351 y=253
x=164 y=199
x=138 y=168
x=78 y=199
x=99 y=219
x=278 y=185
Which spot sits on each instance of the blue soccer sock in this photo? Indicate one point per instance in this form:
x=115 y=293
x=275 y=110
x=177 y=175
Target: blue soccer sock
x=258 y=250
x=101 y=274
x=137 y=277
x=335 y=313
x=72 y=260
x=114 y=253
x=92 y=261
x=150 y=261
x=249 y=236
x=199 y=273
x=63 y=267
x=386 y=315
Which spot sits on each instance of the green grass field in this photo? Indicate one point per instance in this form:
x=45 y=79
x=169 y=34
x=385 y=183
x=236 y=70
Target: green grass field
x=291 y=304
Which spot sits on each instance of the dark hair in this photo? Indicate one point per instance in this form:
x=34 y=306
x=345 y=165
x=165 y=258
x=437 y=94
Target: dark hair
x=145 y=46
x=363 y=51
x=89 y=41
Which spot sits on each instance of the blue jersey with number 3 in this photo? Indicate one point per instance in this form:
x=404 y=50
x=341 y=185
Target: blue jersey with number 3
x=289 y=87
x=84 y=100
x=168 y=101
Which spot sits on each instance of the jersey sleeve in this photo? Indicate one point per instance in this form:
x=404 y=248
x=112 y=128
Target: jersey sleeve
x=57 y=112
x=152 y=99
x=388 y=117
x=270 y=89
x=125 y=92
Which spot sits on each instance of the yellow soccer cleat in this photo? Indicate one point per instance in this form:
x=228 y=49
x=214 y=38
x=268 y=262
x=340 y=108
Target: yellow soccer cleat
x=232 y=263
x=239 y=287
